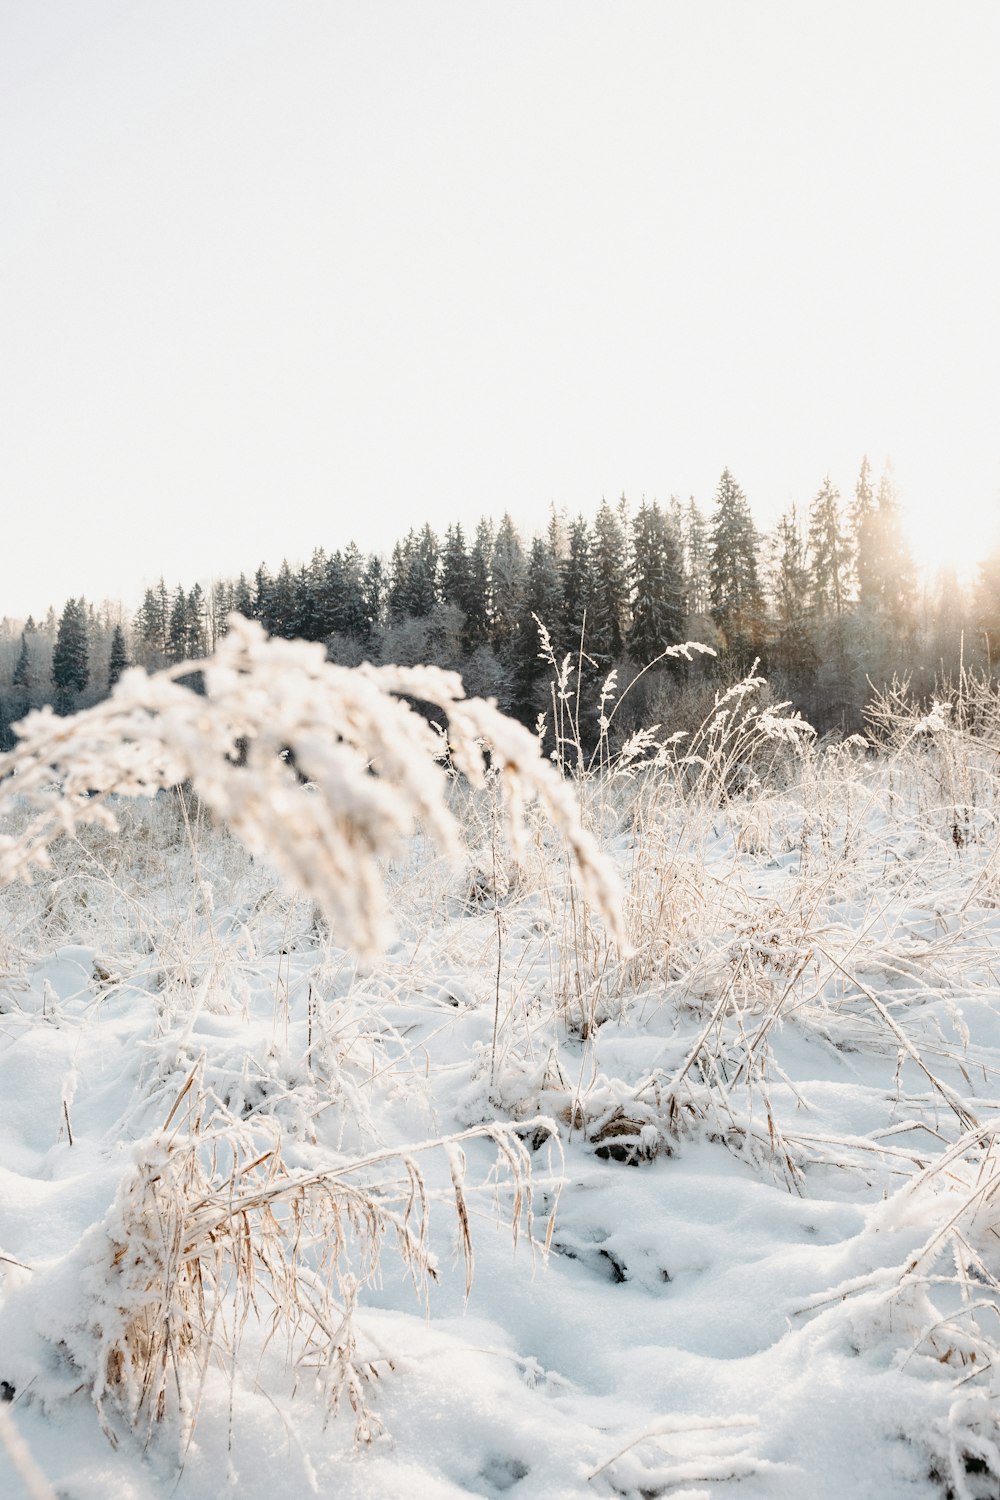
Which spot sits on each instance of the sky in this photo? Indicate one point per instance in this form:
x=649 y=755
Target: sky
x=275 y=276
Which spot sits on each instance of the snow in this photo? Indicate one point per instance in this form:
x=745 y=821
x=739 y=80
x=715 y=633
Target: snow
x=761 y=1251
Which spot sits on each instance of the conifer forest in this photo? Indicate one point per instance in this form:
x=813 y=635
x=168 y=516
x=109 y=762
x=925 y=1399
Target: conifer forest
x=828 y=604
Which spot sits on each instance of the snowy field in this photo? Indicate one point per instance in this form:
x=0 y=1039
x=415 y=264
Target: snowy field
x=514 y=1209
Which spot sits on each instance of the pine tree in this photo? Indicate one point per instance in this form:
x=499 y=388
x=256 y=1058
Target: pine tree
x=373 y=593
x=542 y=602
x=509 y=572
x=314 y=605
x=658 y=605
x=220 y=608
x=195 y=640
x=142 y=624
x=829 y=554
x=263 y=586
x=243 y=597
x=152 y=625
x=557 y=532
x=354 y=615
x=303 y=622
x=97 y=645
x=673 y=514
x=118 y=660
x=398 y=576
x=736 y=598
x=330 y=595
x=577 y=587
x=281 y=605
x=22 y=668
x=422 y=575
x=697 y=558
x=894 y=564
x=398 y=594
x=456 y=569
x=794 y=651
x=479 y=609
x=790 y=577
x=177 y=629
x=864 y=532
x=71 y=656
x=609 y=616
x=883 y=565
x=543 y=585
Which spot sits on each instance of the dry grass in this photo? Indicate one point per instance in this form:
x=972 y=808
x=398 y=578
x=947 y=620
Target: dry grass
x=770 y=885
x=210 y=1234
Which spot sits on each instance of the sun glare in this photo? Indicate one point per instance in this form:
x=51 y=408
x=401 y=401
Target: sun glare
x=949 y=536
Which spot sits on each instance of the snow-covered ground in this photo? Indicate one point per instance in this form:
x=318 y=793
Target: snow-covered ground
x=754 y=1253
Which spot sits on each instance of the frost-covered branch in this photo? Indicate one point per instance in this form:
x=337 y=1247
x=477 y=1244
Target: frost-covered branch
x=321 y=769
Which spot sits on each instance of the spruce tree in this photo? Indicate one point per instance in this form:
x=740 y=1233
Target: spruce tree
x=542 y=602
x=422 y=575
x=658 y=605
x=734 y=582
x=177 y=629
x=542 y=589
x=354 y=616
x=22 y=667
x=829 y=553
x=697 y=558
x=456 y=569
x=479 y=611
x=118 y=660
x=330 y=596
x=152 y=625
x=220 y=608
x=196 y=640
x=843 y=654
x=794 y=651
x=577 y=587
x=263 y=585
x=303 y=619
x=864 y=531
x=609 y=610
x=71 y=656
x=373 y=594
x=509 y=572
x=279 y=618
x=243 y=597
x=894 y=564
x=142 y=623
x=557 y=532
x=313 y=607
x=398 y=593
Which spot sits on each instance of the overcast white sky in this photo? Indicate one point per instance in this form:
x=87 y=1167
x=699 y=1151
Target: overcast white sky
x=277 y=275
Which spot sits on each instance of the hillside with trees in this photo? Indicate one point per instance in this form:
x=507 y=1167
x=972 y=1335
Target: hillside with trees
x=828 y=603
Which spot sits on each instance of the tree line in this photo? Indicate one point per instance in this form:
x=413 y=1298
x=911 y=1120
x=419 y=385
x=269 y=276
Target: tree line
x=827 y=603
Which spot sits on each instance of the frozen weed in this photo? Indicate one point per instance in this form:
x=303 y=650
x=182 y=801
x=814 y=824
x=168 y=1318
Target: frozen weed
x=213 y=1231
x=322 y=770
x=324 y=773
